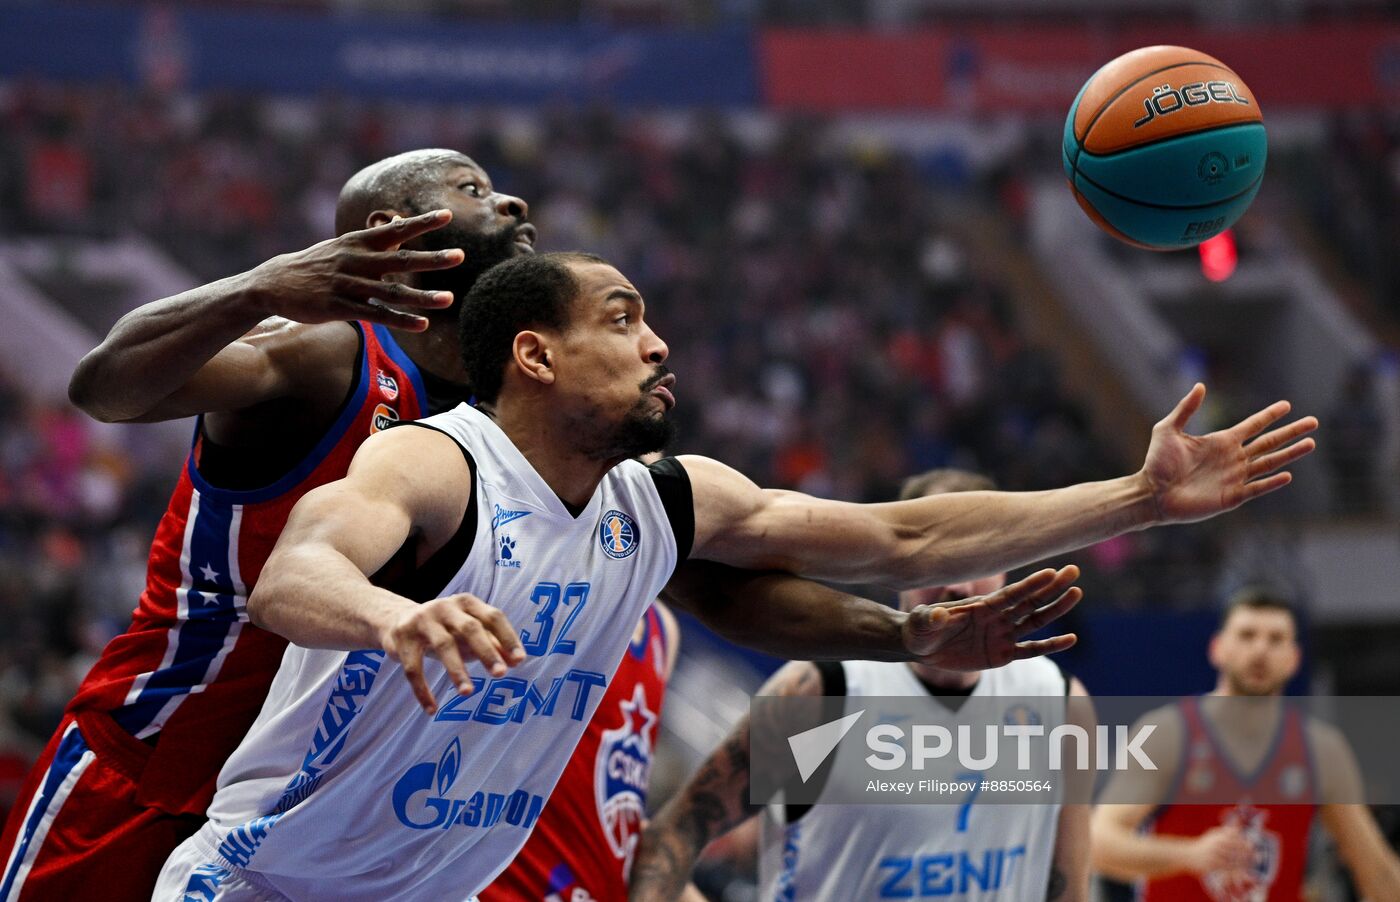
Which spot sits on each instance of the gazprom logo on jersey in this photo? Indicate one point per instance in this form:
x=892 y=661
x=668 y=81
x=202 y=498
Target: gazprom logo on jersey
x=421 y=798
x=618 y=534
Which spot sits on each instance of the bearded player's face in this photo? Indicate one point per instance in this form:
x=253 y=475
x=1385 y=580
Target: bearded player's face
x=488 y=226
x=611 y=376
x=1256 y=651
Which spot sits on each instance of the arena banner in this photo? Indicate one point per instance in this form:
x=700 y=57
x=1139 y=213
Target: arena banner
x=305 y=53
x=1027 y=70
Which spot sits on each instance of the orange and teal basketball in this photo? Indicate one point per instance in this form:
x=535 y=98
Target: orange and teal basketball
x=1165 y=147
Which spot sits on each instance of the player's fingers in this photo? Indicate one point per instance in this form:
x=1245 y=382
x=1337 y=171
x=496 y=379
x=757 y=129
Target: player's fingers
x=444 y=645
x=392 y=234
x=483 y=646
x=500 y=628
x=411 y=659
x=1282 y=458
x=1281 y=436
x=1061 y=580
x=1051 y=612
x=1257 y=422
x=1034 y=648
x=1261 y=487
x=1010 y=596
x=387 y=316
x=1186 y=408
x=395 y=293
x=383 y=263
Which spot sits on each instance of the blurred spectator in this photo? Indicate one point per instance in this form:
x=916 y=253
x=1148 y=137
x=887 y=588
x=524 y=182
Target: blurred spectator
x=1355 y=432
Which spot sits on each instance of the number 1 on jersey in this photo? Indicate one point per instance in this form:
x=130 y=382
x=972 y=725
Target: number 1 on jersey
x=549 y=596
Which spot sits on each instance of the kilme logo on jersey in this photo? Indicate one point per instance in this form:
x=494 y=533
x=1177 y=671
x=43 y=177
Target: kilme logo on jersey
x=481 y=809
x=387 y=385
x=507 y=557
x=620 y=775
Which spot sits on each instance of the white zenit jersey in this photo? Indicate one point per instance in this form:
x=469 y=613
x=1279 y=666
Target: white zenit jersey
x=855 y=853
x=345 y=789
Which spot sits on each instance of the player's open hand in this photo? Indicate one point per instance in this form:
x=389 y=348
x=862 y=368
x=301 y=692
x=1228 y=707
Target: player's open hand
x=1193 y=477
x=455 y=629
x=985 y=632
x=343 y=278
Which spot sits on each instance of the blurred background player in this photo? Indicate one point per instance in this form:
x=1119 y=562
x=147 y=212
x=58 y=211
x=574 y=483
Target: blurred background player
x=854 y=852
x=1183 y=843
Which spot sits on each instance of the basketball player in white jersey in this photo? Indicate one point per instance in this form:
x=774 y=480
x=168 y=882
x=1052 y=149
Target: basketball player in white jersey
x=855 y=852
x=341 y=790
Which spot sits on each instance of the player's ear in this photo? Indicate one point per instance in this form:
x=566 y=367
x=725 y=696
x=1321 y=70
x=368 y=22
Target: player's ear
x=1213 y=651
x=381 y=217
x=531 y=354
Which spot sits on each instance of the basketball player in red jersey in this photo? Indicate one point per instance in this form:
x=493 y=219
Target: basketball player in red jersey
x=1195 y=848
x=290 y=367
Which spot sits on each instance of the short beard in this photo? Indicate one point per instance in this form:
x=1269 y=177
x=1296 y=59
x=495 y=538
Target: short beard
x=482 y=251
x=640 y=432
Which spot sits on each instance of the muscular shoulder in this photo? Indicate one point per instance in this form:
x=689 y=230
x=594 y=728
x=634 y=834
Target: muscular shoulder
x=316 y=359
x=425 y=469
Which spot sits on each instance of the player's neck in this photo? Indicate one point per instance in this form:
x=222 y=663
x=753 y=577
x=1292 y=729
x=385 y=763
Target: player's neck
x=436 y=349
x=1245 y=713
x=571 y=474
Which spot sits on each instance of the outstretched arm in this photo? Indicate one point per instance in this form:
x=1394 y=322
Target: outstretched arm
x=201 y=350
x=714 y=801
x=951 y=537
x=315 y=588
x=786 y=616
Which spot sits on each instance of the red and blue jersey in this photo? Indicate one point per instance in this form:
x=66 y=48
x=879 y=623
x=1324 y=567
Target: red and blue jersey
x=581 y=849
x=1277 y=832
x=190 y=675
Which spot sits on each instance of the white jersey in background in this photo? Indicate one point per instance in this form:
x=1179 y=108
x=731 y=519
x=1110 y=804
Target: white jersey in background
x=856 y=853
x=345 y=789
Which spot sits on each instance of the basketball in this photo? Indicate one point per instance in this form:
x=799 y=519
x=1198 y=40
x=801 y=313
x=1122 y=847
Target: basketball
x=1164 y=147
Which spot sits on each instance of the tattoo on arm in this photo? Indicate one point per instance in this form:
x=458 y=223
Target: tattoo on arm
x=714 y=801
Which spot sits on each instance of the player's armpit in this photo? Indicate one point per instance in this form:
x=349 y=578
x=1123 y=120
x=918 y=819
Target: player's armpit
x=314 y=589
x=787 y=616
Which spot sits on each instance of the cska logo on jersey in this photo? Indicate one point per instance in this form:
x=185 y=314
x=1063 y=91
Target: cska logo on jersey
x=1252 y=883
x=620 y=776
x=388 y=385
